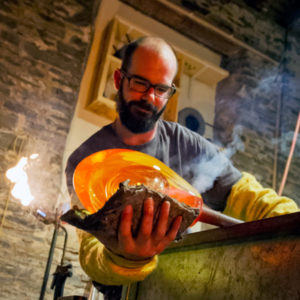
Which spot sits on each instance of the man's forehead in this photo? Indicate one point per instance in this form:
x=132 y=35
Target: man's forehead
x=160 y=56
x=159 y=48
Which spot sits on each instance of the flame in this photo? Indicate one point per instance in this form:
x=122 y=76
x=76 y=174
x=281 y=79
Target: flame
x=18 y=176
x=34 y=156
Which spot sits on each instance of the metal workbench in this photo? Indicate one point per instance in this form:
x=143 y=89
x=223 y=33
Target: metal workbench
x=254 y=260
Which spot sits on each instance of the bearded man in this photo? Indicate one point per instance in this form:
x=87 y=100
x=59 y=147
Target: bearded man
x=145 y=84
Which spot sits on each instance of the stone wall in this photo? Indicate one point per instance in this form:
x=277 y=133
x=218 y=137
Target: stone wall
x=43 y=48
x=258 y=93
x=247 y=100
x=256 y=96
x=261 y=90
x=290 y=109
x=241 y=22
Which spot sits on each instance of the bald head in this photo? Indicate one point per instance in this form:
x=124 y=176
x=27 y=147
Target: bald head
x=153 y=44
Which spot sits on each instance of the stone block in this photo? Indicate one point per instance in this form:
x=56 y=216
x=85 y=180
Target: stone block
x=4 y=91
x=53 y=58
x=67 y=97
x=5 y=78
x=71 y=51
x=7 y=140
x=8 y=120
x=78 y=42
x=8 y=21
x=19 y=108
x=10 y=37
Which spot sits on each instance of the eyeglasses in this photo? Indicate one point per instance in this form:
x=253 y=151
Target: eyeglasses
x=142 y=85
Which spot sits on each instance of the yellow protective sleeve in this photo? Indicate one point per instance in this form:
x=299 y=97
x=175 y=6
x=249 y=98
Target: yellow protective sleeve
x=249 y=201
x=105 y=267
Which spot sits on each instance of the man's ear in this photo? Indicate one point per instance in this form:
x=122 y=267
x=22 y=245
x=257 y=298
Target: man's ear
x=117 y=78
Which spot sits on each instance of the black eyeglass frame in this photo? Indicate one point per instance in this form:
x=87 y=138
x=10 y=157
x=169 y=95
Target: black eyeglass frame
x=149 y=84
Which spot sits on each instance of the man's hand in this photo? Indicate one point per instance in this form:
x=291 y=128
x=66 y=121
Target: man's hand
x=149 y=241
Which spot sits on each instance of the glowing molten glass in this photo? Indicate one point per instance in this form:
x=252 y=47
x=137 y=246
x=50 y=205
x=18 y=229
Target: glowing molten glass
x=98 y=176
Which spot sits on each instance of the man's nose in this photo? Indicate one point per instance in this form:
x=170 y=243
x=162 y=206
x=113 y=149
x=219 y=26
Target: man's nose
x=149 y=95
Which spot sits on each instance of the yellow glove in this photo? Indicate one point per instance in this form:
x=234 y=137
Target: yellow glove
x=105 y=267
x=249 y=201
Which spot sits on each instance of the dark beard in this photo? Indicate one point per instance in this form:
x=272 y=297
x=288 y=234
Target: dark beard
x=137 y=122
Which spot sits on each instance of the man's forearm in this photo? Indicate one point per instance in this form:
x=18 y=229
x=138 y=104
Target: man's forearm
x=105 y=267
x=249 y=201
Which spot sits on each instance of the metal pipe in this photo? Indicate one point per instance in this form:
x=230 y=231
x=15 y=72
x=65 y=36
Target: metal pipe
x=212 y=217
x=287 y=166
x=49 y=262
x=94 y=294
x=282 y=69
x=277 y=128
x=65 y=244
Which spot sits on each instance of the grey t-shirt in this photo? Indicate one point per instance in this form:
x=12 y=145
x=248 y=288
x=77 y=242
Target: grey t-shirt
x=190 y=155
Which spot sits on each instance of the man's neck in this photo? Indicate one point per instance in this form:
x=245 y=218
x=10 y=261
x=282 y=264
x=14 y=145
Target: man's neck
x=130 y=138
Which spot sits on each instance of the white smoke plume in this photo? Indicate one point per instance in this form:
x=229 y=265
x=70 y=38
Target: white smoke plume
x=208 y=170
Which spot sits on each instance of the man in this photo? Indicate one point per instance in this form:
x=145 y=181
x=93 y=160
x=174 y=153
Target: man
x=145 y=84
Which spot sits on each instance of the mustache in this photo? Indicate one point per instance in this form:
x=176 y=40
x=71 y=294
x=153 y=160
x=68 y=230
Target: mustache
x=143 y=104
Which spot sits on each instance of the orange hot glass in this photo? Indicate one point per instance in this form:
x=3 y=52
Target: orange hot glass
x=97 y=178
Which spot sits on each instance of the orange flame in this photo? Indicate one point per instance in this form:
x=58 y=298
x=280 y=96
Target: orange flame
x=18 y=176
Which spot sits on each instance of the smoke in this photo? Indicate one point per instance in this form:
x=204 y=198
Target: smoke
x=260 y=90
x=285 y=142
x=270 y=84
x=236 y=144
x=207 y=170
